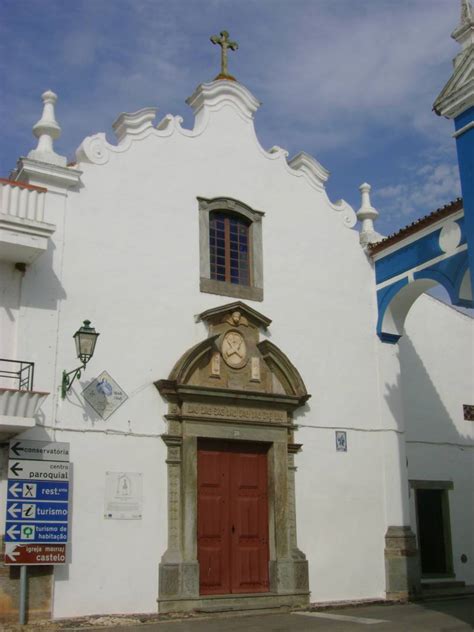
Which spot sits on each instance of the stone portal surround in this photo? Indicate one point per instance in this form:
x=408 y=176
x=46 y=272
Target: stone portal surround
x=232 y=387
x=179 y=568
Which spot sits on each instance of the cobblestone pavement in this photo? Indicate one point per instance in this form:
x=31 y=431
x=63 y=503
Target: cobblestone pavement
x=448 y=615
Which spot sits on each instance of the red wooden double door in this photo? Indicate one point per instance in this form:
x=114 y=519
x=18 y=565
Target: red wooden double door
x=232 y=517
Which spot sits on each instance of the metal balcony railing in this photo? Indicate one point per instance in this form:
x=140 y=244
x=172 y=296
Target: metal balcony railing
x=17 y=371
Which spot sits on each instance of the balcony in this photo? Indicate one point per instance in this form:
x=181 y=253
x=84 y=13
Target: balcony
x=23 y=232
x=19 y=403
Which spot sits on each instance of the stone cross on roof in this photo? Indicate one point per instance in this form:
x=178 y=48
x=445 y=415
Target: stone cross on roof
x=225 y=44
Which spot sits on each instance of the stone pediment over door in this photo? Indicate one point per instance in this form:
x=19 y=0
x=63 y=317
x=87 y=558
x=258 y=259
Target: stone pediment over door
x=239 y=390
x=234 y=365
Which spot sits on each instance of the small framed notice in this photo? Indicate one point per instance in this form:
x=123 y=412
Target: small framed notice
x=123 y=496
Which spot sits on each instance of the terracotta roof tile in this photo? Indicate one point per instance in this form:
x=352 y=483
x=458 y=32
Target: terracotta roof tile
x=419 y=224
x=22 y=185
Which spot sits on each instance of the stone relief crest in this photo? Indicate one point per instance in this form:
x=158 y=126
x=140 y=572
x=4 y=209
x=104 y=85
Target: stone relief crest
x=234 y=349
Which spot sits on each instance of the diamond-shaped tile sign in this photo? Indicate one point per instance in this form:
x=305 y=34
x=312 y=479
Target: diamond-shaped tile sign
x=104 y=395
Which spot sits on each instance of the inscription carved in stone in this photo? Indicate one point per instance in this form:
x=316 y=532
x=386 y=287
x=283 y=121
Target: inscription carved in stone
x=234 y=412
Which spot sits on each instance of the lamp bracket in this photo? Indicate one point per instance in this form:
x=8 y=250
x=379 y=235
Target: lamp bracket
x=67 y=381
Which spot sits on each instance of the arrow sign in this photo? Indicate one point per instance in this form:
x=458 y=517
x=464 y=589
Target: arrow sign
x=38 y=491
x=14 y=510
x=12 y=532
x=35 y=554
x=37 y=532
x=15 y=469
x=15 y=490
x=15 y=448
x=37 y=507
x=11 y=553
x=39 y=450
x=39 y=470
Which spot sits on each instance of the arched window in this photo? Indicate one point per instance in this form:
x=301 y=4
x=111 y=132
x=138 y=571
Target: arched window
x=229 y=248
x=230 y=237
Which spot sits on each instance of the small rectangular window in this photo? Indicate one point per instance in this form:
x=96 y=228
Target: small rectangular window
x=229 y=261
x=230 y=247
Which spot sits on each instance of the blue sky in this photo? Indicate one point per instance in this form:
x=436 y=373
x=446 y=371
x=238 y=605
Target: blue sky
x=351 y=82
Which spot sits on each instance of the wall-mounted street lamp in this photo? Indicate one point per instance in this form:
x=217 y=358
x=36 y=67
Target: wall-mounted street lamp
x=85 y=339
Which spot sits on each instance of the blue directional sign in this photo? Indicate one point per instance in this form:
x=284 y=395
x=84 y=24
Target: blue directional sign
x=37 y=532
x=37 y=493
x=37 y=490
x=51 y=511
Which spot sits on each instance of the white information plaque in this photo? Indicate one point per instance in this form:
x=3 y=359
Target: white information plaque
x=104 y=395
x=123 y=496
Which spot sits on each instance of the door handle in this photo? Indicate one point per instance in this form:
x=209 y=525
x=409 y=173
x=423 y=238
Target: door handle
x=233 y=529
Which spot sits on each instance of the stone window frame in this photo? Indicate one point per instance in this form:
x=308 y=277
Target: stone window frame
x=254 y=291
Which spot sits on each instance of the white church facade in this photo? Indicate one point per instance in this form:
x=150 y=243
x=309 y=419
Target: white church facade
x=262 y=422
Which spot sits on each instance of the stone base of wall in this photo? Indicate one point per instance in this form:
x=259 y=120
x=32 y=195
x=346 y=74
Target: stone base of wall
x=179 y=581
x=40 y=583
x=402 y=564
x=289 y=576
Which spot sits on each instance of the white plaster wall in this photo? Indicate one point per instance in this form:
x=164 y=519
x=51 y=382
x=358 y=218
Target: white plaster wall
x=126 y=255
x=437 y=359
x=113 y=561
x=340 y=514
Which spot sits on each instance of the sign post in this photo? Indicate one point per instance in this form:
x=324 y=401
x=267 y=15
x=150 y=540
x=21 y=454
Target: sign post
x=37 y=514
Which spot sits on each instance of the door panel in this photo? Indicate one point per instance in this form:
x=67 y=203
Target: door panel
x=249 y=517
x=213 y=520
x=232 y=518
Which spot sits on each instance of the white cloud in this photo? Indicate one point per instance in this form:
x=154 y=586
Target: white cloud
x=424 y=190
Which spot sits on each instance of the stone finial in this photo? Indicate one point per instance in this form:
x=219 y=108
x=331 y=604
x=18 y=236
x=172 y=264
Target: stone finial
x=366 y=215
x=464 y=33
x=46 y=130
x=466 y=12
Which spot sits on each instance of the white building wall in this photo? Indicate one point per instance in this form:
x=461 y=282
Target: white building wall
x=131 y=265
x=437 y=360
x=126 y=256
x=340 y=513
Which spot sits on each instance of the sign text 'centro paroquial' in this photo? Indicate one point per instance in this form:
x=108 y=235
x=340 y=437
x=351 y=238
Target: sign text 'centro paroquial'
x=37 y=513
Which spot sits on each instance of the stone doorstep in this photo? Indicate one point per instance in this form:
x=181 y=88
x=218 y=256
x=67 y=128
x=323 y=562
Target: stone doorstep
x=432 y=584
x=235 y=603
x=445 y=590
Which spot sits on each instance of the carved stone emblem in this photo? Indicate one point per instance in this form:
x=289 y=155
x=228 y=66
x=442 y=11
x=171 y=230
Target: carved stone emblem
x=236 y=319
x=234 y=350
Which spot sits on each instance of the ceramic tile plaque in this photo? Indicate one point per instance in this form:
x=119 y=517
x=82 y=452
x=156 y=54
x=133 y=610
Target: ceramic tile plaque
x=104 y=395
x=123 y=496
x=341 y=441
x=468 y=410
